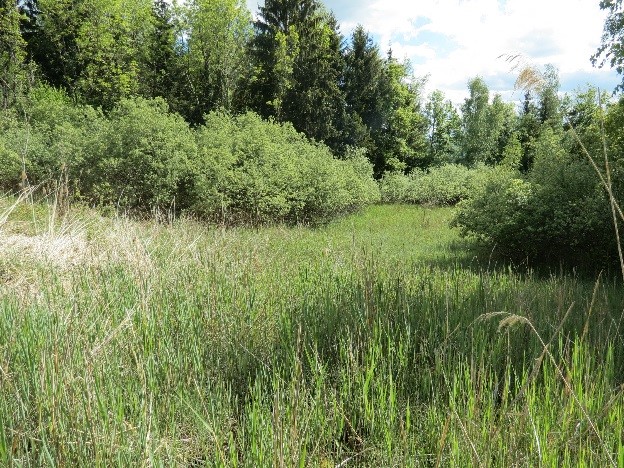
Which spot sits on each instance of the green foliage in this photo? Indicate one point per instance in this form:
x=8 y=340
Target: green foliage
x=143 y=159
x=443 y=185
x=529 y=127
x=51 y=139
x=257 y=172
x=367 y=91
x=62 y=134
x=611 y=50
x=402 y=140
x=556 y=212
x=11 y=161
x=160 y=67
x=487 y=126
x=444 y=130
x=13 y=73
x=216 y=53
x=110 y=42
x=298 y=66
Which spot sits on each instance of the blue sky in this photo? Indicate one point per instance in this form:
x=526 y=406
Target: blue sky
x=452 y=41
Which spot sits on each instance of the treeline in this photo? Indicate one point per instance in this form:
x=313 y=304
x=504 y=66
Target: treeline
x=291 y=64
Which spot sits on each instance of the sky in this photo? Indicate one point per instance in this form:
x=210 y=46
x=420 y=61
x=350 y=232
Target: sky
x=452 y=41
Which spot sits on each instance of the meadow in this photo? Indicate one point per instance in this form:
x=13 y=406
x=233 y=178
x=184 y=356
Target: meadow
x=377 y=340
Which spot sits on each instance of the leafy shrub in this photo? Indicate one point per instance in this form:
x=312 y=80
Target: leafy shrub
x=443 y=185
x=141 y=156
x=10 y=159
x=57 y=136
x=395 y=186
x=557 y=212
x=142 y=159
x=255 y=171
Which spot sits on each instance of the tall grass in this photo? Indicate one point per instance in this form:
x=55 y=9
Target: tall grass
x=374 y=341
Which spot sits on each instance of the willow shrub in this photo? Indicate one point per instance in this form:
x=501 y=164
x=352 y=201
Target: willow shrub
x=10 y=158
x=55 y=137
x=443 y=185
x=557 y=212
x=140 y=157
x=253 y=171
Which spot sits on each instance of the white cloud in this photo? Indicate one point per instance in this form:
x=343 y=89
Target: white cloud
x=562 y=32
x=453 y=41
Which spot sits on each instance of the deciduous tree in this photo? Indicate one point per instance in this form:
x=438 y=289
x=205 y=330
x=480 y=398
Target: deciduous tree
x=12 y=54
x=444 y=131
x=611 y=50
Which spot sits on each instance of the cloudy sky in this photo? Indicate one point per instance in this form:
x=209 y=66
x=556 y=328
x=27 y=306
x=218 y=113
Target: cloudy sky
x=452 y=41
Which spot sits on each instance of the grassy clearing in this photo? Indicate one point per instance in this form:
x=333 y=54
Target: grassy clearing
x=363 y=343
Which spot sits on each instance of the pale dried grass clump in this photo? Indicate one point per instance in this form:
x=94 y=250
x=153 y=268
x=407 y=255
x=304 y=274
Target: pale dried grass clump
x=60 y=251
x=123 y=242
x=61 y=245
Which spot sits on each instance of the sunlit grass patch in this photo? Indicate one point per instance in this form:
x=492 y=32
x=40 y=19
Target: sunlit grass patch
x=372 y=341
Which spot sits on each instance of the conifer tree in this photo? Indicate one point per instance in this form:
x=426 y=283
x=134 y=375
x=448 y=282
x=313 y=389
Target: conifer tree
x=298 y=67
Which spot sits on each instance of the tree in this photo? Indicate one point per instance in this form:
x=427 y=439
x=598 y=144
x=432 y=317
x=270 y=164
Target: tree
x=315 y=103
x=549 y=102
x=528 y=131
x=51 y=30
x=474 y=122
x=217 y=35
x=298 y=66
x=160 y=68
x=91 y=48
x=500 y=125
x=402 y=141
x=366 y=90
x=585 y=116
x=110 y=42
x=12 y=54
x=444 y=129
x=611 y=50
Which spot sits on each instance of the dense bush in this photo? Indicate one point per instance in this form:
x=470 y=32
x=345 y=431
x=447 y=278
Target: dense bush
x=255 y=171
x=141 y=156
x=57 y=137
x=142 y=159
x=10 y=158
x=444 y=185
x=558 y=211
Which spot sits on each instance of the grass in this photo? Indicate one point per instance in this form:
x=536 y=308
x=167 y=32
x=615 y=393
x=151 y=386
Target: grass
x=374 y=341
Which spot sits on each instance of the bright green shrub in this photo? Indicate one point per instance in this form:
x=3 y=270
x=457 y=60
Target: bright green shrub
x=143 y=158
x=395 y=186
x=57 y=138
x=443 y=185
x=250 y=170
x=10 y=159
x=496 y=215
